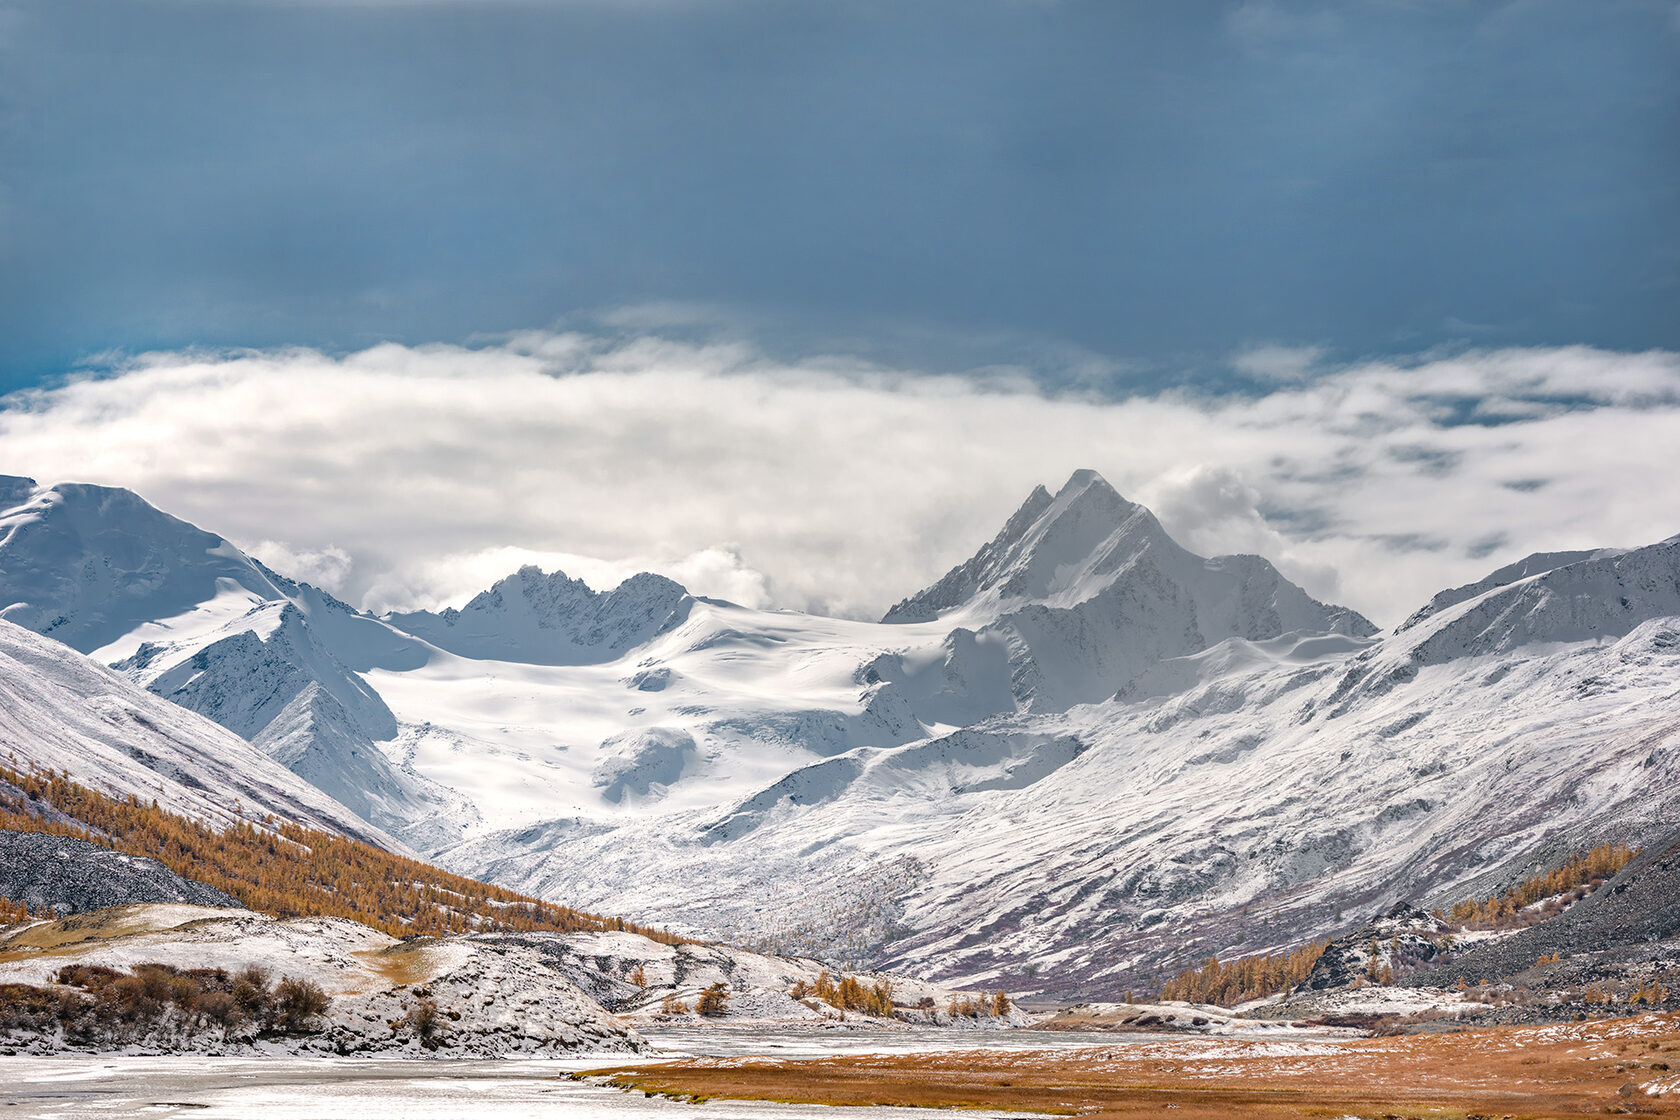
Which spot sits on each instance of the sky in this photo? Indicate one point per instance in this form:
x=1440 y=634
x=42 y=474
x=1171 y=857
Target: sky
x=796 y=301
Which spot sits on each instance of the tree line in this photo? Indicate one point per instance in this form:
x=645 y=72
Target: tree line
x=282 y=868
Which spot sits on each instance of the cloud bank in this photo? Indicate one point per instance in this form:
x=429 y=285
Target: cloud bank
x=414 y=476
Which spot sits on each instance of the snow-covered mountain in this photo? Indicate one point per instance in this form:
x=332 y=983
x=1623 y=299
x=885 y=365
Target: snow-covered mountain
x=189 y=616
x=61 y=711
x=1086 y=591
x=549 y=619
x=90 y=565
x=1081 y=757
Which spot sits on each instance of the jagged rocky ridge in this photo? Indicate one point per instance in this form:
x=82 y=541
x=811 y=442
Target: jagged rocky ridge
x=550 y=619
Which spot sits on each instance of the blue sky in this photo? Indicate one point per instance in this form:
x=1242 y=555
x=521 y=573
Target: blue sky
x=1120 y=194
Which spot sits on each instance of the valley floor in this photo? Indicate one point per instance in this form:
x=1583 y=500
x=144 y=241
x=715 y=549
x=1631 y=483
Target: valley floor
x=1625 y=1066
x=326 y=1089
x=113 y=1087
x=1615 y=1066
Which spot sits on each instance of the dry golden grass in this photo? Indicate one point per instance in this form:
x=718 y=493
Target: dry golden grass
x=404 y=963
x=1598 y=1068
x=71 y=934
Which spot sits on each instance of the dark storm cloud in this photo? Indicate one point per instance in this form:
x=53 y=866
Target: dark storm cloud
x=955 y=184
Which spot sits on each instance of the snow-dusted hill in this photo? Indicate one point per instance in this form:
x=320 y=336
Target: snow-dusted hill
x=494 y=996
x=1081 y=757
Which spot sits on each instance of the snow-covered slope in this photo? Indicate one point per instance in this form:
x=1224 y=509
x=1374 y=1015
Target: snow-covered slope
x=60 y=711
x=266 y=676
x=191 y=617
x=1104 y=844
x=1240 y=796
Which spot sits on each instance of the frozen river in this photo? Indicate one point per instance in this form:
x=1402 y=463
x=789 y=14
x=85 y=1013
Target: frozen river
x=116 y=1088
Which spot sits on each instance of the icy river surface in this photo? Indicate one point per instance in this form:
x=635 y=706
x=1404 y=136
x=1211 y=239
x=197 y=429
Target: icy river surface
x=285 y=1088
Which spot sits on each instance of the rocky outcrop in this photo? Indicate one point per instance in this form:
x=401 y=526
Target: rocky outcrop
x=1638 y=910
x=480 y=997
x=73 y=876
x=1401 y=939
x=641 y=979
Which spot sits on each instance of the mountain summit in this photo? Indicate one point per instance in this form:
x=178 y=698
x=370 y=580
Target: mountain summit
x=548 y=618
x=87 y=564
x=1089 y=591
x=1048 y=548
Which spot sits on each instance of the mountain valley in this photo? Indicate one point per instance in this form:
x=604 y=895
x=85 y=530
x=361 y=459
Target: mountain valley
x=1082 y=760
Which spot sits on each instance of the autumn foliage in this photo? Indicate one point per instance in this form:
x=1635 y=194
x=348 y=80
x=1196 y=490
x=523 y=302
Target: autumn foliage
x=1580 y=874
x=95 y=1005
x=849 y=994
x=286 y=870
x=14 y=912
x=1228 y=984
x=714 y=1001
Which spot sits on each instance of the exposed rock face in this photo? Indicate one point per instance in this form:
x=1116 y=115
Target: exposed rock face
x=1403 y=938
x=73 y=876
x=1638 y=910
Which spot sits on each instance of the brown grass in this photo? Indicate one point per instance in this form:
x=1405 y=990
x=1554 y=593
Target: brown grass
x=70 y=935
x=1532 y=1073
x=404 y=963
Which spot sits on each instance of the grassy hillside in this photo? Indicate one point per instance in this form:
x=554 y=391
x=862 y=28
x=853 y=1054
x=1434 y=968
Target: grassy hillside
x=282 y=869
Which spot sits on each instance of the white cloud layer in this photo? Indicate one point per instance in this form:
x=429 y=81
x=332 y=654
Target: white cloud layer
x=404 y=477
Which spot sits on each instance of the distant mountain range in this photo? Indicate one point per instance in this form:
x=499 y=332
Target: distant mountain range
x=1081 y=757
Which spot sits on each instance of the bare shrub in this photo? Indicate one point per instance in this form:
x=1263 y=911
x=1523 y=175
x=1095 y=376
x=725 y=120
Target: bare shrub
x=296 y=1002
